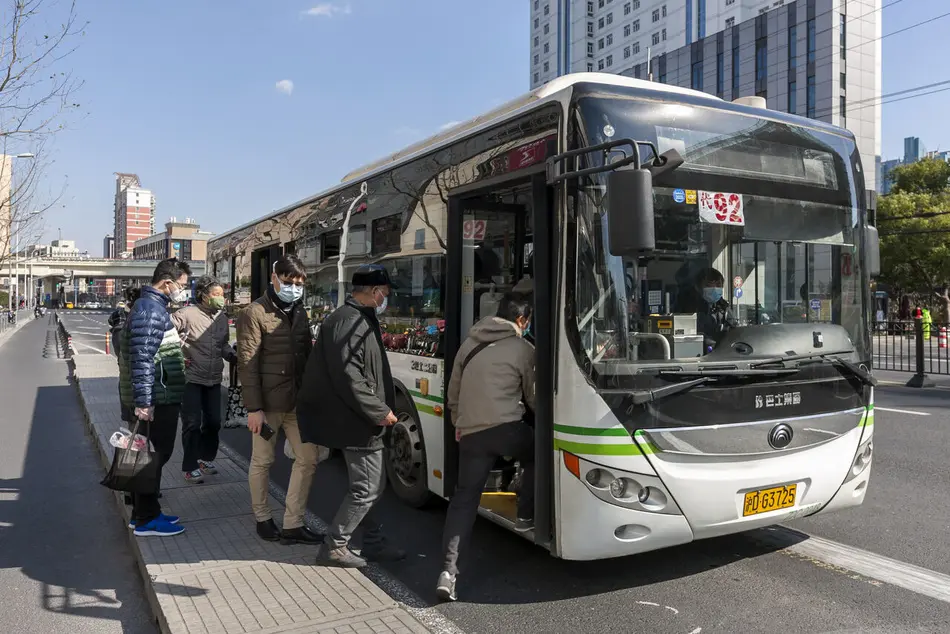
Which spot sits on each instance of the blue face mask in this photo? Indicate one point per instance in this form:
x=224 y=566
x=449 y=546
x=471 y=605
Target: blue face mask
x=290 y=293
x=712 y=294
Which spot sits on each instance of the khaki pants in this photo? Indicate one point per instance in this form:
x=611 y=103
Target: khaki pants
x=301 y=475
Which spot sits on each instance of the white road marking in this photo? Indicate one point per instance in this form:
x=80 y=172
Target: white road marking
x=901 y=411
x=86 y=345
x=929 y=583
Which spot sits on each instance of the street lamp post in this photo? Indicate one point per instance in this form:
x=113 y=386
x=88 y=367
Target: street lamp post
x=16 y=256
x=10 y=291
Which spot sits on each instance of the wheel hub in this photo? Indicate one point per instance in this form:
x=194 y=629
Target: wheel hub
x=406 y=448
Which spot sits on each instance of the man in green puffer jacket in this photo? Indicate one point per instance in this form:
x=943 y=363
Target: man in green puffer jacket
x=152 y=381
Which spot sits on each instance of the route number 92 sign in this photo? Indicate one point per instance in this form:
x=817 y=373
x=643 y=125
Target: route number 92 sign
x=721 y=208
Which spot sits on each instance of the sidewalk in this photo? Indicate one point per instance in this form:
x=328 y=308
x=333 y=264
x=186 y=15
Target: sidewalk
x=218 y=576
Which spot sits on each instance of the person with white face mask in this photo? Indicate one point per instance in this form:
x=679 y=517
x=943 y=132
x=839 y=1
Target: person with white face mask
x=346 y=403
x=273 y=343
x=713 y=317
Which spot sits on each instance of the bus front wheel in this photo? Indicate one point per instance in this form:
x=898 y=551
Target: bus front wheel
x=406 y=457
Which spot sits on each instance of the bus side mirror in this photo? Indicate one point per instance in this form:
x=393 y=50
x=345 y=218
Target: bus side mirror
x=631 y=229
x=872 y=244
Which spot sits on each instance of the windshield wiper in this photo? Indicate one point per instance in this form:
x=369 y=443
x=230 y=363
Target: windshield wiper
x=800 y=360
x=703 y=375
x=641 y=397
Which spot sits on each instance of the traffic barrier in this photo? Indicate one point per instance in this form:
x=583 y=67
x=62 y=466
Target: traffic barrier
x=942 y=337
x=107 y=342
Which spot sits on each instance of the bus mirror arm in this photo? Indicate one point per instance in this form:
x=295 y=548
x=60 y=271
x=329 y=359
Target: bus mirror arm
x=558 y=170
x=666 y=162
x=872 y=245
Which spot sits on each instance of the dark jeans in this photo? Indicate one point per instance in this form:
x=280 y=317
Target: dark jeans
x=367 y=474
x=477 y=455
x=200 y=424
x=162 y=432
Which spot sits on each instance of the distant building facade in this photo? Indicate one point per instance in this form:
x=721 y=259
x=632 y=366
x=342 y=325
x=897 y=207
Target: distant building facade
x=184 y=240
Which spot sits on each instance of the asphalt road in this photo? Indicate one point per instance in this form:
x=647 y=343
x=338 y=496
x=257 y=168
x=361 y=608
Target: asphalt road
x=88 y=329
x=65 y=560
x=757 y=582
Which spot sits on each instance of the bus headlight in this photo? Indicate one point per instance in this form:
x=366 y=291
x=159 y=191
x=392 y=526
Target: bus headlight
x=862 y=459
x=636 y=491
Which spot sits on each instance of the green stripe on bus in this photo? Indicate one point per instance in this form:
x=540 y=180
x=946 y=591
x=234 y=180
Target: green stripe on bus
x=591 y=431
x=591 y=449
x=434 y=399
x=427 y=409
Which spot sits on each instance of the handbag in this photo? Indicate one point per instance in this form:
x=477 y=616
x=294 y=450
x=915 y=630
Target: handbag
x=236 y=413
x=135 y=471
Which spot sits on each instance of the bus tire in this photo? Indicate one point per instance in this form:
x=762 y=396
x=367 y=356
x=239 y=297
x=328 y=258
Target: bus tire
x=406 y=465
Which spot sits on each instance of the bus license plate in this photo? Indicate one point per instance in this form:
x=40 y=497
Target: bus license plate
x=772 y=499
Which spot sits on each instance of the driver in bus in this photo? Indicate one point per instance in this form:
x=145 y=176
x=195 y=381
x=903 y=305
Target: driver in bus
x=705 y=298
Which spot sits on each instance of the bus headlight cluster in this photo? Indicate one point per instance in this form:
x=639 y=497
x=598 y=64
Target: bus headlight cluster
x=631 y=490
x=862 y=459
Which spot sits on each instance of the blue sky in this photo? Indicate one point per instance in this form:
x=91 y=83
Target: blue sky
x=186 y=95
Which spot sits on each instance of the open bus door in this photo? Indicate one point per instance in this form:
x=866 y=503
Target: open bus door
x=491 y=233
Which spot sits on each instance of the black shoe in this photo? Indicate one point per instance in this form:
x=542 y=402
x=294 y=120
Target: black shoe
x=523 y=525
x=383 y=552
x=268 y=531
x=302 y=535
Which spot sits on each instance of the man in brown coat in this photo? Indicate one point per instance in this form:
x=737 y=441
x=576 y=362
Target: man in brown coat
x=273 y=343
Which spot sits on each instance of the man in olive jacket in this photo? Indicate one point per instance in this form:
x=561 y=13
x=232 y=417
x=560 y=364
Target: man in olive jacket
x=273 y=343
x=346 y=403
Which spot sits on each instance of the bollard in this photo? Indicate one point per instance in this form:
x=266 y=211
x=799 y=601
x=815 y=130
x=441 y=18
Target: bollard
x=107 y=342
x=942 y=337
x=920 y=378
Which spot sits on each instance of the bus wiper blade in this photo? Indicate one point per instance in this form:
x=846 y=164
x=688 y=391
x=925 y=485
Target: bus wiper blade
x=800 y=360
x=716 y=372
x=797 y=357
x=647 y=396
x=854 y=370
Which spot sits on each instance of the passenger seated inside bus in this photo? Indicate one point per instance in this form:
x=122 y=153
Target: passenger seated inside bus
x=705 y=298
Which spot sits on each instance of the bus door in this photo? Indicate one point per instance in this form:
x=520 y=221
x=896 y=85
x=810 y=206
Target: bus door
x=493 y=244
x=262 y=264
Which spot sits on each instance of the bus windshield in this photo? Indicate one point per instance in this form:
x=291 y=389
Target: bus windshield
x=760 y=226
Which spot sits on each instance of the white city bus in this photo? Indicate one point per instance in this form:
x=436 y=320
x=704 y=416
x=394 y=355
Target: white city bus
x=614 y=196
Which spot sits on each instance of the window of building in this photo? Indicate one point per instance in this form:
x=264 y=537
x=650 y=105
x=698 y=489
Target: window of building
x=696 y=81
x=811 y=40
x=547 y=47
x=590 y=28
x=626 y=30
x=610 y=60
x=702 y=18
x=590 y=67
x=536 y=77
x=844 y=81
x=420 y=241
x=610 y=39
x=792 y=47
x=610 y=18
x=626 y=52
x=537 y=21
x=636 y=5
x=590 y=49
x=730 y=22
x=720 y=74
x=590 y=9
x=600 y=64
x=600 y=44
x=547 y=29
x=636 y=48
x=387 y=234
x=537 y=59
x=656 y=39
x=735 y=69
x=663 y=35
x=330 y=246
x=547 y=9
x=810 y=97
x=547 y=66
x=636 y=25
x=843 y=36
x=728 y=2
x=600 y=23
x=600 y=4
x=656 y=15
x=663 y=10
x=793 y=97
x=626 y=9
x=761 y=59
x=536 y=5
x=537 y=41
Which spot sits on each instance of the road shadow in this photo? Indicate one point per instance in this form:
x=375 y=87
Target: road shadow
x=57 y=523
x=504 y=568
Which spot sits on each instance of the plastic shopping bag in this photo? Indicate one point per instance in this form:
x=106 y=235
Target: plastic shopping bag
x=135 y=467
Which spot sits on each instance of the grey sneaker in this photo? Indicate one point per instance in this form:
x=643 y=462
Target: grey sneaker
x=194 y=477
x=445 y=589
x=382 y=552
x=340 y=557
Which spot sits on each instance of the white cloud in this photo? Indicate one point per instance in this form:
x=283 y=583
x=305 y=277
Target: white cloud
x=285 y=86
x=328 y=10
x=450 y=124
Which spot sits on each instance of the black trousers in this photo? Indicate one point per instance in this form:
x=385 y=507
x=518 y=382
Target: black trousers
x=477 y=455
x=200 y=424
x=162 y=432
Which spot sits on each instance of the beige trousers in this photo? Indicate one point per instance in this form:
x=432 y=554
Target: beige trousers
x=301 y=475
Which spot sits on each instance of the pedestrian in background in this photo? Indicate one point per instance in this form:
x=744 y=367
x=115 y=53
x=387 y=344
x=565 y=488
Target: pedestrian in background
x=119 y=316
x=152 y=381
x=204 y=332
x=346 y=403
x=273 y=343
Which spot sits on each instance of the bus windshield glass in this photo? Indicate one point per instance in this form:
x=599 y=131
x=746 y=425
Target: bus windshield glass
x=760 y=226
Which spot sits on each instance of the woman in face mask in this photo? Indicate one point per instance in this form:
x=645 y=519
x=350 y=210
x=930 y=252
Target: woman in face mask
x=204 y=332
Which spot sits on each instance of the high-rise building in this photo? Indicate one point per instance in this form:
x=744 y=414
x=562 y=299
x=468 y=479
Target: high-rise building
x=108 y=247
x=816 y=58
x=914 y=150
x=134 y=213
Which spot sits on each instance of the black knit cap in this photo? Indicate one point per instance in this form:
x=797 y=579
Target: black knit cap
x=372 y=275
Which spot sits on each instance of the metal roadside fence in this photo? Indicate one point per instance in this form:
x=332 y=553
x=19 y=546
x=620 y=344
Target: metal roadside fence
x=918 y=346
